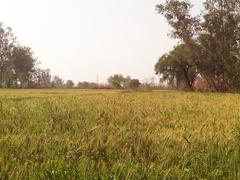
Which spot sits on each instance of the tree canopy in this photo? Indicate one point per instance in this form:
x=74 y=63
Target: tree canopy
x=176 y=68
x=118 y=81
x=17 y=63
x=69 y=84
x=211 y=40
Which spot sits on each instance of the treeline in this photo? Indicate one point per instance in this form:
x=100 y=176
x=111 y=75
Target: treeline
x=20 y=69
x=208 y=55
x=118 y=81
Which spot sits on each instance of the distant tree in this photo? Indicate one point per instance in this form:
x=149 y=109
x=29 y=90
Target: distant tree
x=44 y=78
x=57 y=82
x=7 y=42
x=69 y=84
x=134 y=84
x=22 y=65
x=131 y=83
x=176 y=68
x=126 y=82
x=83 y=85
x=116 y=81
x=17 y=64
x=127 y=79
x=92 y=85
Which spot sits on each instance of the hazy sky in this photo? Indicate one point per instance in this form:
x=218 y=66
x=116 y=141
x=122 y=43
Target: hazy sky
x=80 y=39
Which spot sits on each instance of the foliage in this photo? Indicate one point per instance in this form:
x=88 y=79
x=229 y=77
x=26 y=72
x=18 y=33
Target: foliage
x=57 y=82
x=7 y=41
x=69 y=84
x=22 y=64
x=83 y=85
x=116 y=81
x=219 y=43
x=18 y=66
x=131 y=84
x=212 y=39
x=176 y=68
x=43 y=78
x=77 y=134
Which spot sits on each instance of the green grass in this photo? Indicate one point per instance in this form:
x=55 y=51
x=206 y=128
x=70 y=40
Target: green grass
x=90 y=134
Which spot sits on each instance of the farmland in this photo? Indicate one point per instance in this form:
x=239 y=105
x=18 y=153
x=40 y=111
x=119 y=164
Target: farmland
x=100 y=134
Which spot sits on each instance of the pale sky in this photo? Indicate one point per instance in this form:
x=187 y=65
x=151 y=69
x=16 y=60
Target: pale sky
x=80 y=39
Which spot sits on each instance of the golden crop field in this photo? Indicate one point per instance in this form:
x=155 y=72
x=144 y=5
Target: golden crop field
x=100 y=134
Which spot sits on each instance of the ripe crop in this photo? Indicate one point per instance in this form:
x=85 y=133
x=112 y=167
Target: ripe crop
x=74 y=134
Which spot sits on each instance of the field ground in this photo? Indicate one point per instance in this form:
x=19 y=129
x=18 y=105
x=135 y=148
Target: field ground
x=103 y=134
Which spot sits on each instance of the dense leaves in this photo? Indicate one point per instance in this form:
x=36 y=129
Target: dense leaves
x=117 y=81
x=70 y=84
x=176 y=68
x=18 y=66
x=212 y=40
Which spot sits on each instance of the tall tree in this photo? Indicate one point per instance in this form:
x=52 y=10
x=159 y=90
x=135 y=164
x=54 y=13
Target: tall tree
x=17 y=64
x=212 y=43
x=22 y=64
x=219 y=41
x=176 y=68
x=185 y=27
x=7 y=42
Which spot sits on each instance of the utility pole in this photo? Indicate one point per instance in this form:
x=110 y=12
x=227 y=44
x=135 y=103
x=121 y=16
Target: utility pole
x=97 y=79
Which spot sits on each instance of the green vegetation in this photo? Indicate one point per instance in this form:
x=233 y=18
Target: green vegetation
x=135 y=133
x=18 y=66
x=209 y=45
x=175 y=68
x=117 y=81
x=87 y=134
